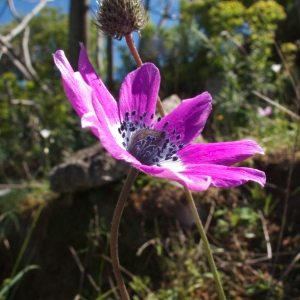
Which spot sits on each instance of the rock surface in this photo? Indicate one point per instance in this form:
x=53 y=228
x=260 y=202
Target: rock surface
x=93 y=166
x=87 y=168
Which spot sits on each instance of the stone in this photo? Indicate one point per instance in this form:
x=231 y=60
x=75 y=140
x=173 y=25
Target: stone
x=170 y=103
x=87 y=168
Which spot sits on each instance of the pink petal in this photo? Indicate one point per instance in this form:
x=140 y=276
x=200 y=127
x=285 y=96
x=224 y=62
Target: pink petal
x=108 y=133
x=188 y=119
x=101 y=93
x=139 y=92
x=268 y=110
x=197 y=183
x=77 y=91
x=228 y=177
x=227 y=153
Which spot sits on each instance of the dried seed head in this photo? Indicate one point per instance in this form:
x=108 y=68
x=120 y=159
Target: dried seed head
x=120 y=17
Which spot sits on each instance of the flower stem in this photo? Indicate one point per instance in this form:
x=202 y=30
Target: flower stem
x=205 y=243
x=191 y=201
x=132 y=48
x=139 y=62
x=115 y=230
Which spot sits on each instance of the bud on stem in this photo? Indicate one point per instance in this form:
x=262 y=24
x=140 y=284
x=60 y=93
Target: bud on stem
x=118 y=18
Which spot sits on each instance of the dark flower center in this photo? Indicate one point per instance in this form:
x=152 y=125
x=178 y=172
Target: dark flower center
x=148 y=145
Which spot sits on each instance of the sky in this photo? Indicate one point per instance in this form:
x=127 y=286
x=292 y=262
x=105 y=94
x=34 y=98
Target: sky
x=23 y=7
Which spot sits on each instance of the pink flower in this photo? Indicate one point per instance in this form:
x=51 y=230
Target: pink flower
x=128 y=129
x=264 y=112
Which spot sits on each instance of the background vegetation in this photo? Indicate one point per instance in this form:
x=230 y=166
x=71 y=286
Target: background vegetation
x=246 y=54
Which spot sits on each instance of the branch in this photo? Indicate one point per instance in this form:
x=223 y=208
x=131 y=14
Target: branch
x=16 y=61
x=26 y=52
x=13 y=10
x=25 y=20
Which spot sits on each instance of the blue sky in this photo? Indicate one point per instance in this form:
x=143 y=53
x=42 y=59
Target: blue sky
x=25 y=6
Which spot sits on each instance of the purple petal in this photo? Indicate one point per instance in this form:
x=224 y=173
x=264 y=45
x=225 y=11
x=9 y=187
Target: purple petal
x=107 y=132
x=227 y=153
x=228 y=177
x=188 y=119
x=100 y=91
x=139 y=92
x=77 y=91
x=186 y=178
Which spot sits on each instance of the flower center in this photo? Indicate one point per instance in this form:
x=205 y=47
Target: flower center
x=148 y=145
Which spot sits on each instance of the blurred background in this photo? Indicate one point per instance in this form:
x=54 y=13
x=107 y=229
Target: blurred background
x=58 y=186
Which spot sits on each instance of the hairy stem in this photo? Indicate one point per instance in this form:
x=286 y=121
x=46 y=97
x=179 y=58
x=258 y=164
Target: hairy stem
x=115 y=231
x=132 y=48
x=138 y=61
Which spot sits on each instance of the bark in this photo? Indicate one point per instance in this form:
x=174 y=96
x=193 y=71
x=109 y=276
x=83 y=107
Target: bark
x=78 y=29
x=110 y=65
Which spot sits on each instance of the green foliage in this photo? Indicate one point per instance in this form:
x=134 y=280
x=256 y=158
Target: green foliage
x=9 y=283
x=228 y=15
x=21 y=122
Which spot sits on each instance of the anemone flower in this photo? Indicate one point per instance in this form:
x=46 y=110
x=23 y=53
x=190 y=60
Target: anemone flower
x=129 y=131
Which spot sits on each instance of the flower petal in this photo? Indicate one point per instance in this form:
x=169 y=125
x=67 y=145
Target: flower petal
x=187 y=179
x=108 y=133
x=227 y=153
x=139 y=92
x=188 y=119
x=227 y=177
x=77 y=91
x=101 y=93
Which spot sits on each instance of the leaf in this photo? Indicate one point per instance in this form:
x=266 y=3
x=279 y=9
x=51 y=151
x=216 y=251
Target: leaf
x=13 y=281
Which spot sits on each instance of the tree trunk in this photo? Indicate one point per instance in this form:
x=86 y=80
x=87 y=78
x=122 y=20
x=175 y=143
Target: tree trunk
x=78 y=29
x=110 y=65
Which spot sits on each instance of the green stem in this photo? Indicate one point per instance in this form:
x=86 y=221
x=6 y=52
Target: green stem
x=205 y=243
x=115 y=231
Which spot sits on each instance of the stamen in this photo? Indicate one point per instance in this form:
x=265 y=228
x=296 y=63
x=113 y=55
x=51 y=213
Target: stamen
x=148 y=145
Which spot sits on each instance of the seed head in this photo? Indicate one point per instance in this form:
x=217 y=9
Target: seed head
x=120 y=17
